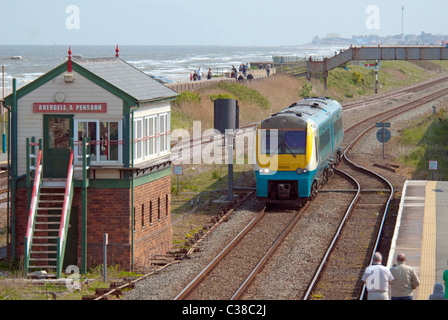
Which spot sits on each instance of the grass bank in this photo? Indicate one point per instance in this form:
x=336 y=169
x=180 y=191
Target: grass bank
x=258 y=100
x=202 y=181
x=423 y=140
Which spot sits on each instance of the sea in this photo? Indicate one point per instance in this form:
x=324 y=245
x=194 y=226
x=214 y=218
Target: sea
x=173 y=63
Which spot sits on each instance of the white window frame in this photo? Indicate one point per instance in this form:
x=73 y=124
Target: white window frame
x=138 y=138
x=95 y=160
x=146 y=138
x=151 y=137
x=164 y=136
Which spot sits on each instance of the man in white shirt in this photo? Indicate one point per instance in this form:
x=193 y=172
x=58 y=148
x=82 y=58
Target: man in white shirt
x=377 y=279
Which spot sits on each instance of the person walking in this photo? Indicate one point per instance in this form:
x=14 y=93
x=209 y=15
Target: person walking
x=268 y=69
x=209 y=74
x=377 y=279
x=438 y=292
x=405 y=279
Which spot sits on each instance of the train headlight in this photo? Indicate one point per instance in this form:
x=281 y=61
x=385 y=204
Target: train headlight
x=264 y=170
x=299 y=170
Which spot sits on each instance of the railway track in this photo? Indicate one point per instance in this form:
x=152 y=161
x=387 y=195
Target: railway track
x=243 y=258
x=339 y=274
x=365 y=190
x=359 y=229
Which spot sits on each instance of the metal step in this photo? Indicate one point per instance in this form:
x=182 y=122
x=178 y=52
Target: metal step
x=54 y=183
x=51 y=252
x=47 y=237
x=48 y=222
x=41 y=215
x=43 y=259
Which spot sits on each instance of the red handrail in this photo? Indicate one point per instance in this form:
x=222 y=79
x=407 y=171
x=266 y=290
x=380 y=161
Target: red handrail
x=68 y=190
x=34 y=196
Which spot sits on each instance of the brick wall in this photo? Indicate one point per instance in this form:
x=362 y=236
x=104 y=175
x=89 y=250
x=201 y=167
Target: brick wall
x=152 y=225
x=109 y=211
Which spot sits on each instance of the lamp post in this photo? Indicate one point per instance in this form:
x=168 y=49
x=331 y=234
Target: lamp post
x=3 y=96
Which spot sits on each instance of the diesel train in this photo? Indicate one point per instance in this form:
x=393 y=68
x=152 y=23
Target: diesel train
x=296 y=150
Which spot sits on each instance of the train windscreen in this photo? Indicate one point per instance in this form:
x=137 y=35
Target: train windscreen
x=283 y=142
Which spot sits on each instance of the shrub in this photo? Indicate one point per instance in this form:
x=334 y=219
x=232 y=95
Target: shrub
x=214 y=97
x=187 y=96
x=246 y=94
x=356 y=77
x=306 y=90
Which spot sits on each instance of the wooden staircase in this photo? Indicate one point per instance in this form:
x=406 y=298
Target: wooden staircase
x=43 y=250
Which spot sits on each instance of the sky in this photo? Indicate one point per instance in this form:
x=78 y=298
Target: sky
x=211 y=22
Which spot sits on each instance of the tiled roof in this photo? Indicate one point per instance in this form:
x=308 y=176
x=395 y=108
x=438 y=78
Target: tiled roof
x=126 y=77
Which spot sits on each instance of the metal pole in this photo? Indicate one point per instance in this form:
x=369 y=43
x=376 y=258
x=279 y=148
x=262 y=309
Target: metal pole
x=3 y=109
x=229 y=142
x=105 y=242
x=84 y=209
x=3 y=97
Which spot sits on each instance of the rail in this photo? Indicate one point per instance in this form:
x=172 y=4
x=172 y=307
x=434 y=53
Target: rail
x=190 y=287
x=336 y=235
x=32 y=213
x=65 y=217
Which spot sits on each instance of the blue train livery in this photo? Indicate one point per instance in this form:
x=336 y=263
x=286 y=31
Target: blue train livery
x=296 y=150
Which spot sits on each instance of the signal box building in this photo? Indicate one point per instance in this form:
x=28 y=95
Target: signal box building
x=89 y=156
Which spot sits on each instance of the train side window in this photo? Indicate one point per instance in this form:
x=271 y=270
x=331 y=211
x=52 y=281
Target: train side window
x=338 y=126
x=324 y=140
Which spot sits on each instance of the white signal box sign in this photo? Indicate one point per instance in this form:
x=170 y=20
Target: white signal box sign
x=432 y=164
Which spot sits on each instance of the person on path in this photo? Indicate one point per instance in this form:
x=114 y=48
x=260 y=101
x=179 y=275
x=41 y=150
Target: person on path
x=209 y=74
x=405 y=279
x=234 y=72
x=268 y=69
x=377 y=279
x=438 y=292
x=199 y=74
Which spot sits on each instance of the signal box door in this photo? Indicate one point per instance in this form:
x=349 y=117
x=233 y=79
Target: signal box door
x=58 y=131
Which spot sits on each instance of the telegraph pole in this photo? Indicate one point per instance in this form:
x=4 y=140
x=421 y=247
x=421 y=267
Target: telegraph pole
x=402 y=21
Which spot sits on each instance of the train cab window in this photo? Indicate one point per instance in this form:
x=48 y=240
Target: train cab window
x=295 y=141
x=283 y=142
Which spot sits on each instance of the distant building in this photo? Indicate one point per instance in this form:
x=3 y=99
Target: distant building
x=367 y=40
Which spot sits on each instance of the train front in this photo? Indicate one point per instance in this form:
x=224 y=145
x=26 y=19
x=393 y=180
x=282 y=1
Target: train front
x=286 y=159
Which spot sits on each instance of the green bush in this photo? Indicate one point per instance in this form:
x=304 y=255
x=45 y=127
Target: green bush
x=214 y=97
x=306 y=90
x=187 y=96
x=356 y=77
x=246 y=94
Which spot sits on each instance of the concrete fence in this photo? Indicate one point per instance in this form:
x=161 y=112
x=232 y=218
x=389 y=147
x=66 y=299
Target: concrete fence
x=259 y=75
